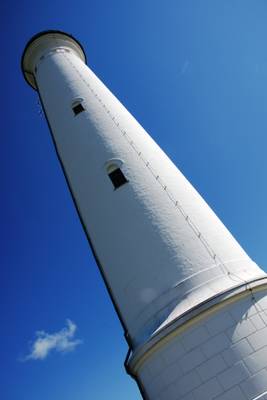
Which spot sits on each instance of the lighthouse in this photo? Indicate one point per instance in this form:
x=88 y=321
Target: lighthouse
x=192 y=303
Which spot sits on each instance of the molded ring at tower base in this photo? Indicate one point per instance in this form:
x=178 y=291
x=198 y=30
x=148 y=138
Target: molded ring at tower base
x=262 y=396
x=28 y=61
x=197 y=314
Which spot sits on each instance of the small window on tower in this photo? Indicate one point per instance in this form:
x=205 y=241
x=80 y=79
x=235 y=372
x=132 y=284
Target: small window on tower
x=116 y=176
x=77 y=108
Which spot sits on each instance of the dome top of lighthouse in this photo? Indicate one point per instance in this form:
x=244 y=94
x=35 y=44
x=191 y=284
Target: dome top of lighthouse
x=41 y=44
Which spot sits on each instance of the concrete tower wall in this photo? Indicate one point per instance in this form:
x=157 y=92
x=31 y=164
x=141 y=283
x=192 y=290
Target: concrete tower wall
x=165 y=256
x=151 y=253
x=221 y=356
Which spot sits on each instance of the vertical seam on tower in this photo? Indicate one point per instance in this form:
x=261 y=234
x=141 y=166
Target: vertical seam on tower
x=176 y=203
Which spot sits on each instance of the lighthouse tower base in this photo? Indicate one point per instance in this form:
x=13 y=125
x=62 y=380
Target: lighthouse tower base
x=220 y=354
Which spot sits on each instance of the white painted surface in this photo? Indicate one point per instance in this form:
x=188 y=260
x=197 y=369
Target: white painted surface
x=161 y=248
x=156 y=256
x=223 y=357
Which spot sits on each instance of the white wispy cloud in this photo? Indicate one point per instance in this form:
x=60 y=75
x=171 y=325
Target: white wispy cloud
x=62 y=341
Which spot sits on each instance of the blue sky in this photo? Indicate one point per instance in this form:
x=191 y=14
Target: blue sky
x=194 y=73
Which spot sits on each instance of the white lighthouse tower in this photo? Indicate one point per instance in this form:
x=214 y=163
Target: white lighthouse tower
x=192 y=303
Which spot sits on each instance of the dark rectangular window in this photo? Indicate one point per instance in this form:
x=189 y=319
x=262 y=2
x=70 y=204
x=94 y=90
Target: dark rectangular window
x=117 y=178
x=77 y=109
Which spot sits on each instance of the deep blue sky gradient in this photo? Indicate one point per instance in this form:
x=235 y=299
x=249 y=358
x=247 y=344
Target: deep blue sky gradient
x=194 y=73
